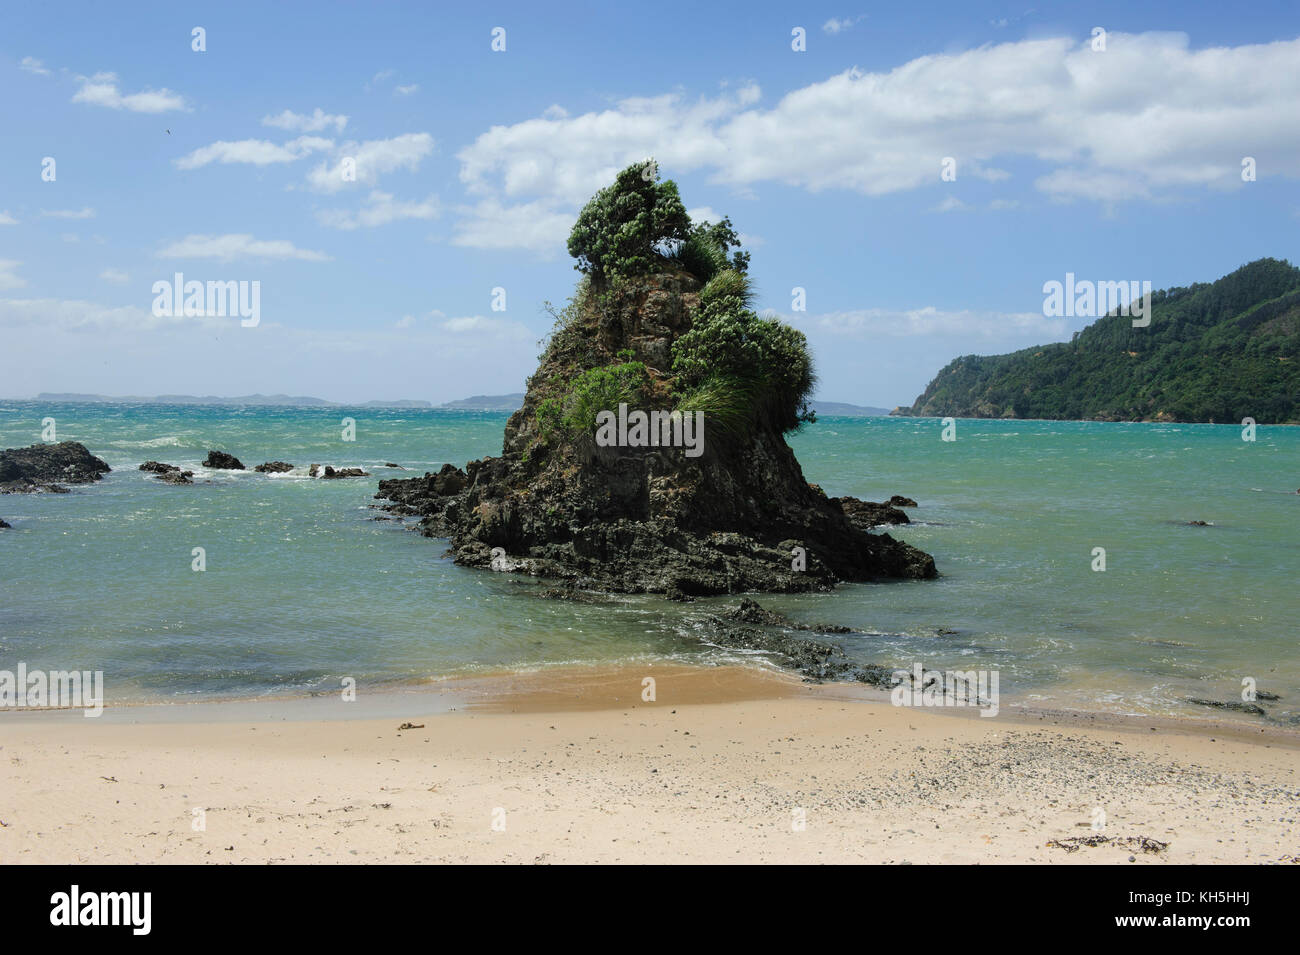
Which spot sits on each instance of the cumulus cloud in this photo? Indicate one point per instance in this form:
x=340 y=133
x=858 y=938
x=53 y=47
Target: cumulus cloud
x=1147 y=117
x=371 y=159
x=298 y=123
x=102 y=90
x=256 y=152
x=380 y=209
x=536 y=226
x=229 y=247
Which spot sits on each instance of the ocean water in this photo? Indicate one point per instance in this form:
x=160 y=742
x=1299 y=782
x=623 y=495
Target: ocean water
x=303 y=587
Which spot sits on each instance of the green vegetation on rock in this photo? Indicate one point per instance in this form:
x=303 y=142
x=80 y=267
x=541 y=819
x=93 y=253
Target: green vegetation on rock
x=663 y=320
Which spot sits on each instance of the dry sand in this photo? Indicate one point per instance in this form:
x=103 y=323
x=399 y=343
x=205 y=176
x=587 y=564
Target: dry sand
x=572 y=766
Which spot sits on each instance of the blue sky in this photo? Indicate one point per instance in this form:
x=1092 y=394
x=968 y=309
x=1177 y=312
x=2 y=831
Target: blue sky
x=1115 y=164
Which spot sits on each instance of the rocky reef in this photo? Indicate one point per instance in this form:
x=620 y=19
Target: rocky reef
x=222 y=461
x=48 y=467
x=658 y=336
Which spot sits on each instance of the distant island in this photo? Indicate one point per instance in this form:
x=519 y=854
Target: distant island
x=839 y=408
x=511 y=402
x=1216 y=353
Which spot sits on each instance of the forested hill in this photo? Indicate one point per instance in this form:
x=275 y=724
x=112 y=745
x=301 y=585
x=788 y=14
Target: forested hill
x=1215 y=352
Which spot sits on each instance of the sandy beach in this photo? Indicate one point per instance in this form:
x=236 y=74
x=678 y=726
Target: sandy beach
x=727 y=764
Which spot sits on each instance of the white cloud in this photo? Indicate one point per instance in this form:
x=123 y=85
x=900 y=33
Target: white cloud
x=372 y=159
x=535 y=226
x=929 y=321
x=380 y=209
x=297 y=122
x=211 y=355
x=33 y=65
x=256 y=152
x=479 y=326
x=8 y=276
x=1148 y=116
x=7 y=219
x=229 y=247
x=835 y=25
x=381 y=77
x=102 y=90
x=116 y=276
x=951 y=204
x=67 y=315
x=406 y=90
x=70 y=237
x=704 y=214
x=86 y=212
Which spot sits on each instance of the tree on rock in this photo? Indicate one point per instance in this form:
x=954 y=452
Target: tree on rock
x=619 y=230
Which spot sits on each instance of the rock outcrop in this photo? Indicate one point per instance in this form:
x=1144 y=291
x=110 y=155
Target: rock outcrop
x=48 y=467
x=223 y=461
x=274 y=467
x=739 y=517
x=168 y=473
x=330 y=473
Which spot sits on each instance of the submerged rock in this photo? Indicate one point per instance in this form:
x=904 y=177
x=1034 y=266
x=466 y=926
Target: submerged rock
x=47 y=467
x=222 y=461
x=4 y=524
x=1251 y=708
x=274 y=467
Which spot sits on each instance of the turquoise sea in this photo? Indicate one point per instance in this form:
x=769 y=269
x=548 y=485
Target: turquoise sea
x=303 y=588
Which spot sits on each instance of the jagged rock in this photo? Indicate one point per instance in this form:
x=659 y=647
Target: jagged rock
x=168 y=473
x=331 y=473
x=750 y=612
x=899 y=501
x=47 y=467
x=637 y=520
x=869 y=514
x=274 y=467
x=3 y=524
x=817 y=660
x=222 y=461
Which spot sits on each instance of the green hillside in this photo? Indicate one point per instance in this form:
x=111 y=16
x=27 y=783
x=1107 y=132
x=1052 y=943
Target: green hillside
x=1216 y=352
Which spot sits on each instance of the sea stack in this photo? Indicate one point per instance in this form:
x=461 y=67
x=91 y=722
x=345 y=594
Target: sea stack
x=660 y=323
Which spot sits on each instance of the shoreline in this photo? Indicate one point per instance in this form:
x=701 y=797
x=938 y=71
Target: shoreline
x=569 y=687
x=728 y=764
